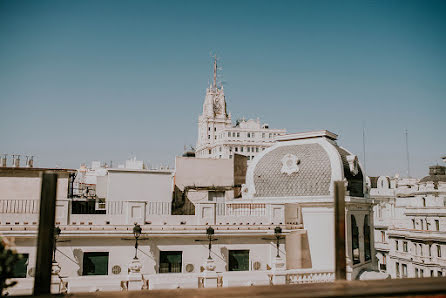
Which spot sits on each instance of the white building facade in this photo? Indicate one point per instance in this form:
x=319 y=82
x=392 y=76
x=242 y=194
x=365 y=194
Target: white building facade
x=410 y=224
x=219 y=138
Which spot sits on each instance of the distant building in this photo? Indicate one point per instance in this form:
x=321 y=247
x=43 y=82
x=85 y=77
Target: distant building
x=410 y=224
x=219 y=138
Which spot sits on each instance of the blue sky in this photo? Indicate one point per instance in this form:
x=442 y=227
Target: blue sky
x=87 y=80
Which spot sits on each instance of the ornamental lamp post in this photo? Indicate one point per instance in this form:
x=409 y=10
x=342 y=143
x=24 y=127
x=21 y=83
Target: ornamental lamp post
x=278 y=234
x=136 y=233
x=57 y=232
x=210 y=234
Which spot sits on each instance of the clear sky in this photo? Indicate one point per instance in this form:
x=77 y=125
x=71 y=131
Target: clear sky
x=104 y=80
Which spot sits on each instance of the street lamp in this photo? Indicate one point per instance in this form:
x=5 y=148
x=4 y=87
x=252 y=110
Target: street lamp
x=210 y=234
x=137 y=233
x=278 y=236
x=57 y=232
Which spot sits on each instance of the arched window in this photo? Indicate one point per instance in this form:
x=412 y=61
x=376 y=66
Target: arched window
x=367 y=246
x=355 y=241
x=424 y=202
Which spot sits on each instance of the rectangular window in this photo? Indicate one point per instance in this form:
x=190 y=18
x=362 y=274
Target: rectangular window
x=95 y=263
x=249 y=157
x=421 y=249
x=248 y=149
x=383 y=237
x=422 y=224
x=209 y=137
x=238 y=260
x=21 y=267
x=238 y=135
x=229 y=134
x=405 y=246
x=439 y=273
x=397 y=269
x=215 y=129
x=439 y=251
x=421 y=273
x=230 y=156
x=236 y=149
x=432 y=273
x=249 y=135
x=210 y=151
x=170 y=261
x=396 y=245
x=437 y=225
x=430 y=250
x=241 y=149
x=416 y=272
x=413 y=223
x=253 y=135
x=257 y=149
x=263 y=134
x=404 y=270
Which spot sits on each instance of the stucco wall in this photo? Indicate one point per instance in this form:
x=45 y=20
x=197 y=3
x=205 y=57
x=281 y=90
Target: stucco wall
x=141 y=186
x=192 y=171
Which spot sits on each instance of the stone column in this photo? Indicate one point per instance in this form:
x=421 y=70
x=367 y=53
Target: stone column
x=209 y=276
x=278 y=272
x=135 y=278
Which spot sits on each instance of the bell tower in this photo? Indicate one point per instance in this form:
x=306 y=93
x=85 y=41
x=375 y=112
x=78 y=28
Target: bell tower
x=214 y=117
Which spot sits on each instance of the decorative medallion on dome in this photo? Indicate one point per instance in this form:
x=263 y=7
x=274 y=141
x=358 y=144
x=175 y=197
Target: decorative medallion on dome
x=290 y=164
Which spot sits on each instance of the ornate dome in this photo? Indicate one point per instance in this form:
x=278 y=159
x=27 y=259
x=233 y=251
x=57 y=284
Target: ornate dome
x=301 y=165
x=436 y=174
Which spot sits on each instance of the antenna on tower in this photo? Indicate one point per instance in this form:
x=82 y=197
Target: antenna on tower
x=407 y=153
x=363 y=147
x=215 y=72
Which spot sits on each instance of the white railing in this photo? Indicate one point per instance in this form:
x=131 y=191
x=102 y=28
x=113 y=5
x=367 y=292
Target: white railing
x=158 y=208
x=303 y=277
x=21 y=206
x=245 y=209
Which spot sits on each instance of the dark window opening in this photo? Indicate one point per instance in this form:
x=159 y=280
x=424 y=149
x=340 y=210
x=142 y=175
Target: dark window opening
x=87 y=207
x=21 y=267
x=367 y=244
x=170 y=261
x=238 y=260
x=95 y=263
x=355 y=241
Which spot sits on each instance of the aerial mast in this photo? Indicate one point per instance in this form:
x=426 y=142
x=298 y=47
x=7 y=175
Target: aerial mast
x=215 y=72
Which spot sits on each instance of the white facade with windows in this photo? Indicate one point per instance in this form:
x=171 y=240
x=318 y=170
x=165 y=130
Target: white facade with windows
x=410 y=224
x=219 y=138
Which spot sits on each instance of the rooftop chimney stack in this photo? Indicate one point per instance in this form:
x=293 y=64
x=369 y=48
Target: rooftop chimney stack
x=29 y=161
x=16 y=161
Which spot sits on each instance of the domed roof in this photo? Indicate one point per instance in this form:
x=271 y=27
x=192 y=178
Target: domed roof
x=436 y=174
x=312 y=178
x=304 y=164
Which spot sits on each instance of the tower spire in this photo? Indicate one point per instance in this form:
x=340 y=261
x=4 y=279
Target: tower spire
x=215 y=72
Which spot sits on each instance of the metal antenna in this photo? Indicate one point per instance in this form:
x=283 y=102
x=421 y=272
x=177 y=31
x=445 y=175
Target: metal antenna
x=363 y=147
x=215 y=72
x=407 y=153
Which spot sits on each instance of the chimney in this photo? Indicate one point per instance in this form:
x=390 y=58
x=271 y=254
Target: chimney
x=29 y=161
x=3 y=161
x=16 y=161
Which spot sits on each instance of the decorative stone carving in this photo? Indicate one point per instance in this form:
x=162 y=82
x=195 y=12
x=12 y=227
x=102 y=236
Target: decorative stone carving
x=353 y=164
x=290 y=164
